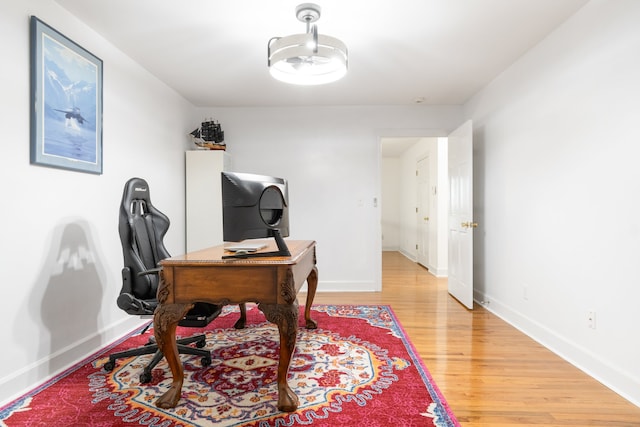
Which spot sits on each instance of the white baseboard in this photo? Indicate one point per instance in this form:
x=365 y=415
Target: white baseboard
x=40 y=371
x=434 y=271
x=439 y=273
x=619 y=382
x=408 y=255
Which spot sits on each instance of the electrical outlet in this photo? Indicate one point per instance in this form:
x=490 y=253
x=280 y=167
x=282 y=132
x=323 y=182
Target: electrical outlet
x=525 y=291
x=591 y=319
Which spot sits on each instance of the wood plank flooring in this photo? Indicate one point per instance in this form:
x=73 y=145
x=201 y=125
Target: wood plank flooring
x=490 y=373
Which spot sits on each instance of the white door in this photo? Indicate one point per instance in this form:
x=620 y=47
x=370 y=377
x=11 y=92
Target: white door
x=422 y=212
x=461 y=224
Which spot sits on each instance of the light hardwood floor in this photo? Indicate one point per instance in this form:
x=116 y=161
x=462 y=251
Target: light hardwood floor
x=490 y=373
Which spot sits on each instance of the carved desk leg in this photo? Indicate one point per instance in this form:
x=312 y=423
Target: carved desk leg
x=286 y=317
x=312 y=284
x=165 y=320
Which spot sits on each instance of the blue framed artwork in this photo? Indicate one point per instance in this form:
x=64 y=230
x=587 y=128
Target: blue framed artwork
x=66 y=102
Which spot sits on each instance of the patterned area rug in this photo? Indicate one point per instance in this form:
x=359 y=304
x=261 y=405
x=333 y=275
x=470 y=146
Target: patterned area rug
x=358 y=368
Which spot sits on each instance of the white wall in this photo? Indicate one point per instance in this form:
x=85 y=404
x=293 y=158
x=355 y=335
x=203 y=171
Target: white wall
x=59 y=245
x=557 y=188
x=331 y=157
x=390 y=207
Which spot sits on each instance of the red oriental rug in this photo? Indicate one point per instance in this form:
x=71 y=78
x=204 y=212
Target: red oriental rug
x=358 y=368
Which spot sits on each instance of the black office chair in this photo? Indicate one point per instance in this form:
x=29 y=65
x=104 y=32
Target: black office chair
x=142 y=228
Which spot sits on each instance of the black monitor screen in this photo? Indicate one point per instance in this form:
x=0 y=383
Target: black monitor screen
x=254 y=207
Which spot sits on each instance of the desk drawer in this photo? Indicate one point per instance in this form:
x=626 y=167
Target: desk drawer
x=225 y=285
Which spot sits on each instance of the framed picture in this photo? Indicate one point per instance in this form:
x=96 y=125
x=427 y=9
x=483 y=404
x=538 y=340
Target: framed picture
x=66 y=102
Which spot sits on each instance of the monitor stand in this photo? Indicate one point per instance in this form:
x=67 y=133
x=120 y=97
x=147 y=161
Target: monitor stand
x=283 y=250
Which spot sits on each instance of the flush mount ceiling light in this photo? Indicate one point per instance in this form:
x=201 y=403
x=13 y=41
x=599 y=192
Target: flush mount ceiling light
x=310 y=58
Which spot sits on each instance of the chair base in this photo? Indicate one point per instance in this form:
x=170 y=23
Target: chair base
x=152 y=348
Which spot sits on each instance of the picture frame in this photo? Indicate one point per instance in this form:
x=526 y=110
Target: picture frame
x=66 y=102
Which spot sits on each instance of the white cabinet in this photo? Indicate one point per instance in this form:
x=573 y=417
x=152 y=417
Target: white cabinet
x=204 y=197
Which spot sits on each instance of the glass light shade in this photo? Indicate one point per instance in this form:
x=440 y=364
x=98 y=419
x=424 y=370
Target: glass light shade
x=294 y=60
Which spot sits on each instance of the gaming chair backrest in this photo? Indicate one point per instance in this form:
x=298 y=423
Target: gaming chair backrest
x=142 y=229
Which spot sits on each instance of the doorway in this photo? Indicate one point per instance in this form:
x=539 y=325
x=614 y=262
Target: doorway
x=408 y=198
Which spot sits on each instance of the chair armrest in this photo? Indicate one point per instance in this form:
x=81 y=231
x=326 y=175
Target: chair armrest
x=135 y=306
x=152 y=271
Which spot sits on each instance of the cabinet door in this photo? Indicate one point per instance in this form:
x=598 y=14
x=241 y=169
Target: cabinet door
x=203 y=194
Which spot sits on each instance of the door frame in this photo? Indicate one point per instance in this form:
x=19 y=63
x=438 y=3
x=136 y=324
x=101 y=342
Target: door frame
x=422 y=215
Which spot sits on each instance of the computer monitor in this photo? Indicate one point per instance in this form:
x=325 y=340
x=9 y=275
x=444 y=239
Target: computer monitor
x=255 y=207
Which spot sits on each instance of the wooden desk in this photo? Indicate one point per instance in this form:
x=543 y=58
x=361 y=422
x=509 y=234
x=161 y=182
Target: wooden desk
x=203 y=276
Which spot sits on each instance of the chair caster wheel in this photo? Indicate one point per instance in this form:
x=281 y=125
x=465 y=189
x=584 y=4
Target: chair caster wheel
x=206 y=361
x=201 y=343
x=145 y=377
x=109 y=366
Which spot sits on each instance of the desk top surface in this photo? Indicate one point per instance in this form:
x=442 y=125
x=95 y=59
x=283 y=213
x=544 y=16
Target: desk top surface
x=213 y=255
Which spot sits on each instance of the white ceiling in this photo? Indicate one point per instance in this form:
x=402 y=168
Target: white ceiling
x=395 y=147
x=213 y=52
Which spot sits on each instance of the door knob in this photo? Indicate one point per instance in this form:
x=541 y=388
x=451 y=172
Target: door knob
x=469 y=225
x=426 y=218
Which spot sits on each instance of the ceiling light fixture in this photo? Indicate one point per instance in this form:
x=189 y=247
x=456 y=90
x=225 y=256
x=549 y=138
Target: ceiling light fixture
x=310 y=58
